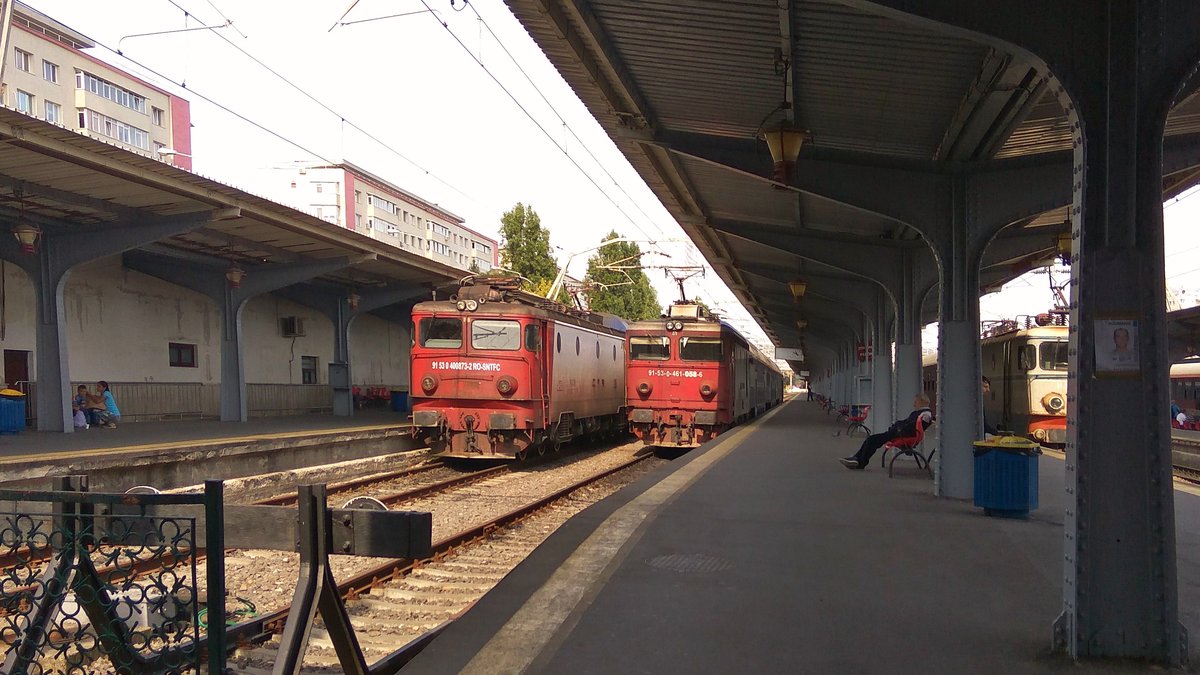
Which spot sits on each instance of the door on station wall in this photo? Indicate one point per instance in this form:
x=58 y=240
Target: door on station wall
x=16 y=367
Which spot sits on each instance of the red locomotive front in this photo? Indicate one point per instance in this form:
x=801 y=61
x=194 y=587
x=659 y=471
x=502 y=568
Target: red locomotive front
x=485 y=371
x=679 y=382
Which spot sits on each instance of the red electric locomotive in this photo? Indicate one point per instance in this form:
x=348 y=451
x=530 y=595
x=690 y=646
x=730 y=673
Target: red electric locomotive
x=691 y=377
x=498 y=373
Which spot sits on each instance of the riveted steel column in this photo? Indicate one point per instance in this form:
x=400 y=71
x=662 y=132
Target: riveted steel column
x=1120 y=587
x=881 y=406
x=908 y=338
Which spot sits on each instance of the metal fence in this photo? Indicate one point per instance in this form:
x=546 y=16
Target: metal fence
x=98 y=582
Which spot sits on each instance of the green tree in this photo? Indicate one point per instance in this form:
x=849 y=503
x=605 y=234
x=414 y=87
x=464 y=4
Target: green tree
x=614 y=292
x=526 y=245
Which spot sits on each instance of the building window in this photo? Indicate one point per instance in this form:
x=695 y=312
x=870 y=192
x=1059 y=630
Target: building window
x=182 y=355
x=308 y=369
x=320 y=212
x=22 y=59
x=319 y=188
x=357 y=220
x=293 y=183
x=53 y=112
x=357 y=196
x=110 y=91
x=107 y=126
x=25 y=102
x=50 y=71
x=157 y=115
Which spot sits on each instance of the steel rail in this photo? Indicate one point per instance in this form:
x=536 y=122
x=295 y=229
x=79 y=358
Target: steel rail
x=290 y=499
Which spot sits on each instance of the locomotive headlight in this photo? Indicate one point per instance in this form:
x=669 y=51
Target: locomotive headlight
x=429 y=383
x=644 y=388
x=707 y=390
x=1054 y=402
x=506 y=385
x=461 y=305
x=1039 y=434
x=472 y=305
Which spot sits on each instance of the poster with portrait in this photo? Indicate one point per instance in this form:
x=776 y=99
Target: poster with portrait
x=1117 y=346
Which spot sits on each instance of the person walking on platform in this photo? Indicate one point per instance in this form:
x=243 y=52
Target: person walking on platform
x=899 y=429
x=111 y=414
x=989 y=430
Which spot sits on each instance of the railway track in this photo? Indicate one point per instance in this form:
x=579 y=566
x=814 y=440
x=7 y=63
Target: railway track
x=405 y=602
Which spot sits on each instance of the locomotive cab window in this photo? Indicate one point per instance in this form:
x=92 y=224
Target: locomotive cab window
x=437 y=333
x=533 y=337
x=1026 y=357
x=495 y=334
x=699 y=349
x=1053 y=356
x=649 y=348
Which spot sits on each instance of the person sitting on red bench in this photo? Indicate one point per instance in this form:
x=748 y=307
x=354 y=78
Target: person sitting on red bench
x=900 y=429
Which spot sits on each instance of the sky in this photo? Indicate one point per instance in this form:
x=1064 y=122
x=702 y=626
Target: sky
x=471 y=140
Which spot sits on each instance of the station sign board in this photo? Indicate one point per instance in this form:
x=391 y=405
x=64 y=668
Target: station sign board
x=789 y=353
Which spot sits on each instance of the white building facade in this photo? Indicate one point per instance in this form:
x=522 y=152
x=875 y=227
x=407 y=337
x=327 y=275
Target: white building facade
x=49 y=75
x=351 y=197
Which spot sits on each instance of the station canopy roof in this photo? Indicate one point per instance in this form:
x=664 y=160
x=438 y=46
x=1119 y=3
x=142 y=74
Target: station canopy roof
x=664 y=79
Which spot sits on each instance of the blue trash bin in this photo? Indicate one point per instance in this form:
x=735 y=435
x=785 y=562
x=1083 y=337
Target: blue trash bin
x=399 y=400
x=1006 y=476
x=12 y=414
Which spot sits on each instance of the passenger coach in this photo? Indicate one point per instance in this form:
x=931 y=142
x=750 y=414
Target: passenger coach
x=691 y=377
x=498 y=372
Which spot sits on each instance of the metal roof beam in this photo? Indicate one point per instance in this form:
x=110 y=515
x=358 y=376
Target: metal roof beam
x=281 y=254
x=29 y=189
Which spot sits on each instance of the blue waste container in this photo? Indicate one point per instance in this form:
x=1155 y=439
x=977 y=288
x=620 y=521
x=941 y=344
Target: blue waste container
x=399 y=400
x=12 y=413
x=1006 y=476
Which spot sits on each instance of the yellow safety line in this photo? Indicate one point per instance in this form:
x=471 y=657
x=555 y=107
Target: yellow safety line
x=173 y=445
x=534 y=627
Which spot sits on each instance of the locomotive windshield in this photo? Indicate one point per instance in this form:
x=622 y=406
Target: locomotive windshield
x=649 y=348
x=494 y=334
x=1053 y=356
x=699 y=349
x=437 y=333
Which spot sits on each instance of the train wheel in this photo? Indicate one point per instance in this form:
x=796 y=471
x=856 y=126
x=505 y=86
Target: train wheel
x=522 y=454
x=541 y=449
x=557 y=444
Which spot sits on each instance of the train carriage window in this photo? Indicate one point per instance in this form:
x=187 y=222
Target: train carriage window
x=558 y=342
x=649 y=348
x=576 y=345
x=699 y=349
x=597 y=350
x=533 y=337
x=1054 y=356
x=438 y=333
x=1026 y=357
x=495 y=334
x=614 y=352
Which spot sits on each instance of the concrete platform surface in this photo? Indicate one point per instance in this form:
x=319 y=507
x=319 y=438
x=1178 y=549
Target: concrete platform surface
x=761 y=553
x=172 y=454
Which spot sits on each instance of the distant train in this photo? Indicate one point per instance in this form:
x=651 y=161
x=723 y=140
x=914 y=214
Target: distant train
x=1027 y=368
x=691 y=377
x=499 y=373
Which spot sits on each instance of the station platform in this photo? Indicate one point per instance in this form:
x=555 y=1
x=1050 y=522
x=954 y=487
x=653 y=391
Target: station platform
x=759 y=552
x=174 y=454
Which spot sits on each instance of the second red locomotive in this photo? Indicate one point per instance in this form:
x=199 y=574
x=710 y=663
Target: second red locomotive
x=691 y=377
x=498 y=372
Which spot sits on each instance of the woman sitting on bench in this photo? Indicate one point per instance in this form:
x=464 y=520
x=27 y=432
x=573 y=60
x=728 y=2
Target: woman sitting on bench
x=899 y=429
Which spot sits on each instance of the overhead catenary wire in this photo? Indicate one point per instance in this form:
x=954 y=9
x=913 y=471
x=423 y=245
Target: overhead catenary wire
x=344 y=120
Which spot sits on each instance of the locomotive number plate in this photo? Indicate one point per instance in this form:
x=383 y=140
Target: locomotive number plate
x=661 y=372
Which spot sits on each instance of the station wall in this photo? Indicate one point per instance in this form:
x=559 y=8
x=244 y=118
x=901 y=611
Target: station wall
x=121 y=326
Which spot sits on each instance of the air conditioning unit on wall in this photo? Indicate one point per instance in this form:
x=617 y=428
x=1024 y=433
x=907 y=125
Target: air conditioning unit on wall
x=291 y=326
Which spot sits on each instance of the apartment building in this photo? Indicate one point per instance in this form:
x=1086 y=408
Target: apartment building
x=351 y=197
x=48 y=74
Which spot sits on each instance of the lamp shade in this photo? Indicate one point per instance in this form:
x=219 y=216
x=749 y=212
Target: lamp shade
x=353 y=301
x=783 y=140
x=798 y=287
x=801 y=323
x=27 y=236
x=235 y=275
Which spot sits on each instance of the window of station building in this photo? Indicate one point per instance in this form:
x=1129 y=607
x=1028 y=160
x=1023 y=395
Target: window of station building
x=24 y=102
x=495 y=334
x=158 y=116
x=53 y=112
x=50 y=71
x=308 y=369
x=181 y=355
x=533 y=337
x=440 y=333
x=22 y=59
x=1053 y=355
x=649 y=348
x=699 y=348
